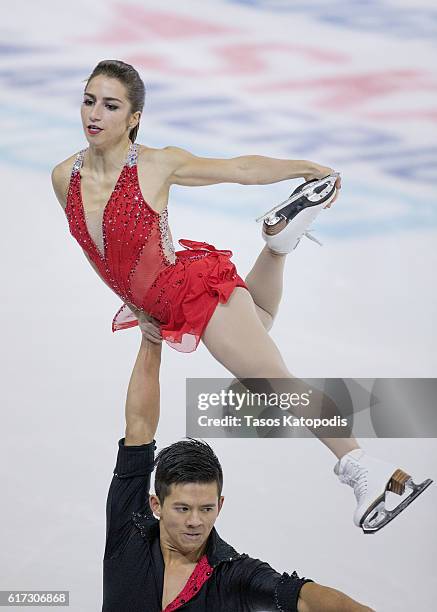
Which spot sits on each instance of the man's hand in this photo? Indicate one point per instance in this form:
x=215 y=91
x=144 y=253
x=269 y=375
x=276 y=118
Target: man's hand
x=319 y=172
x=149 y=326
x=150 y=329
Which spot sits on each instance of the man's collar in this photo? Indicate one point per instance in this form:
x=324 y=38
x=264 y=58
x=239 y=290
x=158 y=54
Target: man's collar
x=217 y=550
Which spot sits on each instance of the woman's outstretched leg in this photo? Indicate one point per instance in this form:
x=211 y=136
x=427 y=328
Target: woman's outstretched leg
x=236 y=337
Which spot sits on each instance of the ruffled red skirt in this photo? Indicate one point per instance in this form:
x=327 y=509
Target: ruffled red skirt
x=184 y=296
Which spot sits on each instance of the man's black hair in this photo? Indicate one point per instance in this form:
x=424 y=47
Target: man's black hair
x=186 y=461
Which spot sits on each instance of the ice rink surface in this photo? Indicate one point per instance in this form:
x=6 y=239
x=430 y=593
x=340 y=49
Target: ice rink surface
x=350 y=85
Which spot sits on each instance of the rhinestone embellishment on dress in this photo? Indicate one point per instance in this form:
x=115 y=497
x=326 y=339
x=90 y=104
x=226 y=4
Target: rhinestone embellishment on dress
x=167 y=244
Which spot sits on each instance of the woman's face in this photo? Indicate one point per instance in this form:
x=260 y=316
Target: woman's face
x=106 y=106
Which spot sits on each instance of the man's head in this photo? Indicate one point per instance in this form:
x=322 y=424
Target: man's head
x=188 y=485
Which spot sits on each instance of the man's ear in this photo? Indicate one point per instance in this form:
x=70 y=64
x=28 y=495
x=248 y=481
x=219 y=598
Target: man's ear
x=221 y=501
x=155 y=504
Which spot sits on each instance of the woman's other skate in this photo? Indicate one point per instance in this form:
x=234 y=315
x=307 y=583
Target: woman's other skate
x=371 y=479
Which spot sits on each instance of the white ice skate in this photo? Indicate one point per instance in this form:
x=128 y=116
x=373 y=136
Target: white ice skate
x=285 y=224
x=371 y=479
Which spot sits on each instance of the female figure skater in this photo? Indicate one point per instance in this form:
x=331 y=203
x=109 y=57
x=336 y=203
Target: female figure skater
x=115 y=194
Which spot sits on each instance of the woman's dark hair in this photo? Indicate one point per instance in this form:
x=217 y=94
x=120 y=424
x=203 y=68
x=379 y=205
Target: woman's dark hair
x=129 y=77
x=186 y=461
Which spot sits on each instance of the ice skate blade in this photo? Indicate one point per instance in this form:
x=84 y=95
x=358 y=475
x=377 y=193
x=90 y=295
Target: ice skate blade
x=369 y=523
x=309 y=192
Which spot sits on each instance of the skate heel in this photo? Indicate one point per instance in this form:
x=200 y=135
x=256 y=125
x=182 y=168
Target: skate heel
x=398 y=481
x=272 y=230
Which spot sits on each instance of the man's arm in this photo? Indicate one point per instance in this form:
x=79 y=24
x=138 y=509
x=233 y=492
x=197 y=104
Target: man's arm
x=142 y=401
x=314 y=597
x=186 y=169
x=263 y=588
x=129 y=489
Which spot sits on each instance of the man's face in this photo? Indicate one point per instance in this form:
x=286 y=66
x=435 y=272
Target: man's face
x=188 y=514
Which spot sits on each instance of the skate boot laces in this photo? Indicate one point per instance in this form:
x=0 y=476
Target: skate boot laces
x=355 y=475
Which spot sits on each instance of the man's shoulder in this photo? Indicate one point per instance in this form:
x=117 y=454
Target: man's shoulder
x=219 y=551
x=241 y=564
x=147 y=524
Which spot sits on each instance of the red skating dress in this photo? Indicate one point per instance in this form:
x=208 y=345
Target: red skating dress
x=131 y=246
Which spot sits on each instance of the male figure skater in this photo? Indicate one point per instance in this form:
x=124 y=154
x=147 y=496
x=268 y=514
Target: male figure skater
x=178 y=560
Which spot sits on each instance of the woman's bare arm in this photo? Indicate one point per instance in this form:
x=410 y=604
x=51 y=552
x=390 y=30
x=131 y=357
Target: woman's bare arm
x=184 y=168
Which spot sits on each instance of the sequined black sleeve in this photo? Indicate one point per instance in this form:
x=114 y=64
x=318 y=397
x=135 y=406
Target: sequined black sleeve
x=128 y=492
x=263 y=588
x=287 y=591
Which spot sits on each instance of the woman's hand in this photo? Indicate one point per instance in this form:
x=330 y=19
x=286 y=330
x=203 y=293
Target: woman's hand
x=149 y=326
x=316 y=171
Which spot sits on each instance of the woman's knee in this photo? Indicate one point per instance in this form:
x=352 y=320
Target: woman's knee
x=265 y=317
